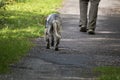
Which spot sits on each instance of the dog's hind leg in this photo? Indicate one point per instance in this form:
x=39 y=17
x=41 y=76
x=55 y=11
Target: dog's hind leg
x=52 y=40
x=48 y=44
x=47 y=39
x=56 y=44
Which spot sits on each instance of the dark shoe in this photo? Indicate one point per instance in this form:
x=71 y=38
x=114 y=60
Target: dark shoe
x=47 y=47
x=91 y=31
x=56 y=49
x=79 y=25
x=83 y=29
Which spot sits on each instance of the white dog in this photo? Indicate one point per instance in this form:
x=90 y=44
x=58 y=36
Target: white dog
x=53 y=30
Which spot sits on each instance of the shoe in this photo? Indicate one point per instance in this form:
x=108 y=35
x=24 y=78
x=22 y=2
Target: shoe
x=83 y=29
x=91 y=31
x=79 y=25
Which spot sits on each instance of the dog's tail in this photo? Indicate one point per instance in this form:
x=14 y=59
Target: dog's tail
x=56 y=27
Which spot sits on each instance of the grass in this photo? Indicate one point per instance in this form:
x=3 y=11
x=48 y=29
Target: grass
x=109 y=73
x=18 y=24
x=11 y=51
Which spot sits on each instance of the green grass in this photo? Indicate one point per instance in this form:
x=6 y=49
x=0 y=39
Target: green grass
x=109 y=73
x=11 y=51
x=18 y=24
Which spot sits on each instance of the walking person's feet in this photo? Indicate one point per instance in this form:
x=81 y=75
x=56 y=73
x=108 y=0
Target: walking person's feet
x=91 y=31
x=83 y=29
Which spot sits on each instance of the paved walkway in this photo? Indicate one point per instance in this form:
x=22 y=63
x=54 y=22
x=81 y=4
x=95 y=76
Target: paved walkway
x=79 y=52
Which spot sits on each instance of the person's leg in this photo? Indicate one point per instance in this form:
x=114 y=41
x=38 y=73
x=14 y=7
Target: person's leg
x=93 y=15
x=83 y=14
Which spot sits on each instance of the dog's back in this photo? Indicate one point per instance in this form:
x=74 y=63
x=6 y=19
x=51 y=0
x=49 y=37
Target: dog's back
x=51 y=18
x=53 y=30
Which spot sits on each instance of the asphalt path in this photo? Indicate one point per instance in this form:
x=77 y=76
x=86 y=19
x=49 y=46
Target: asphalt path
x=79 y=52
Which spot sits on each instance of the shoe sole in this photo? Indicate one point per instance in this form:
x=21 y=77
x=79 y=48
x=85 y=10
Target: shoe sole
x=91 y=32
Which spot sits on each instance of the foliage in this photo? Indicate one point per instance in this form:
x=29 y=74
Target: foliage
x=4 y=3
x=23 y=0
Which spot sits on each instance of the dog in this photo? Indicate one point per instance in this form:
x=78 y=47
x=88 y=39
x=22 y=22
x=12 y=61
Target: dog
x=53 y=27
